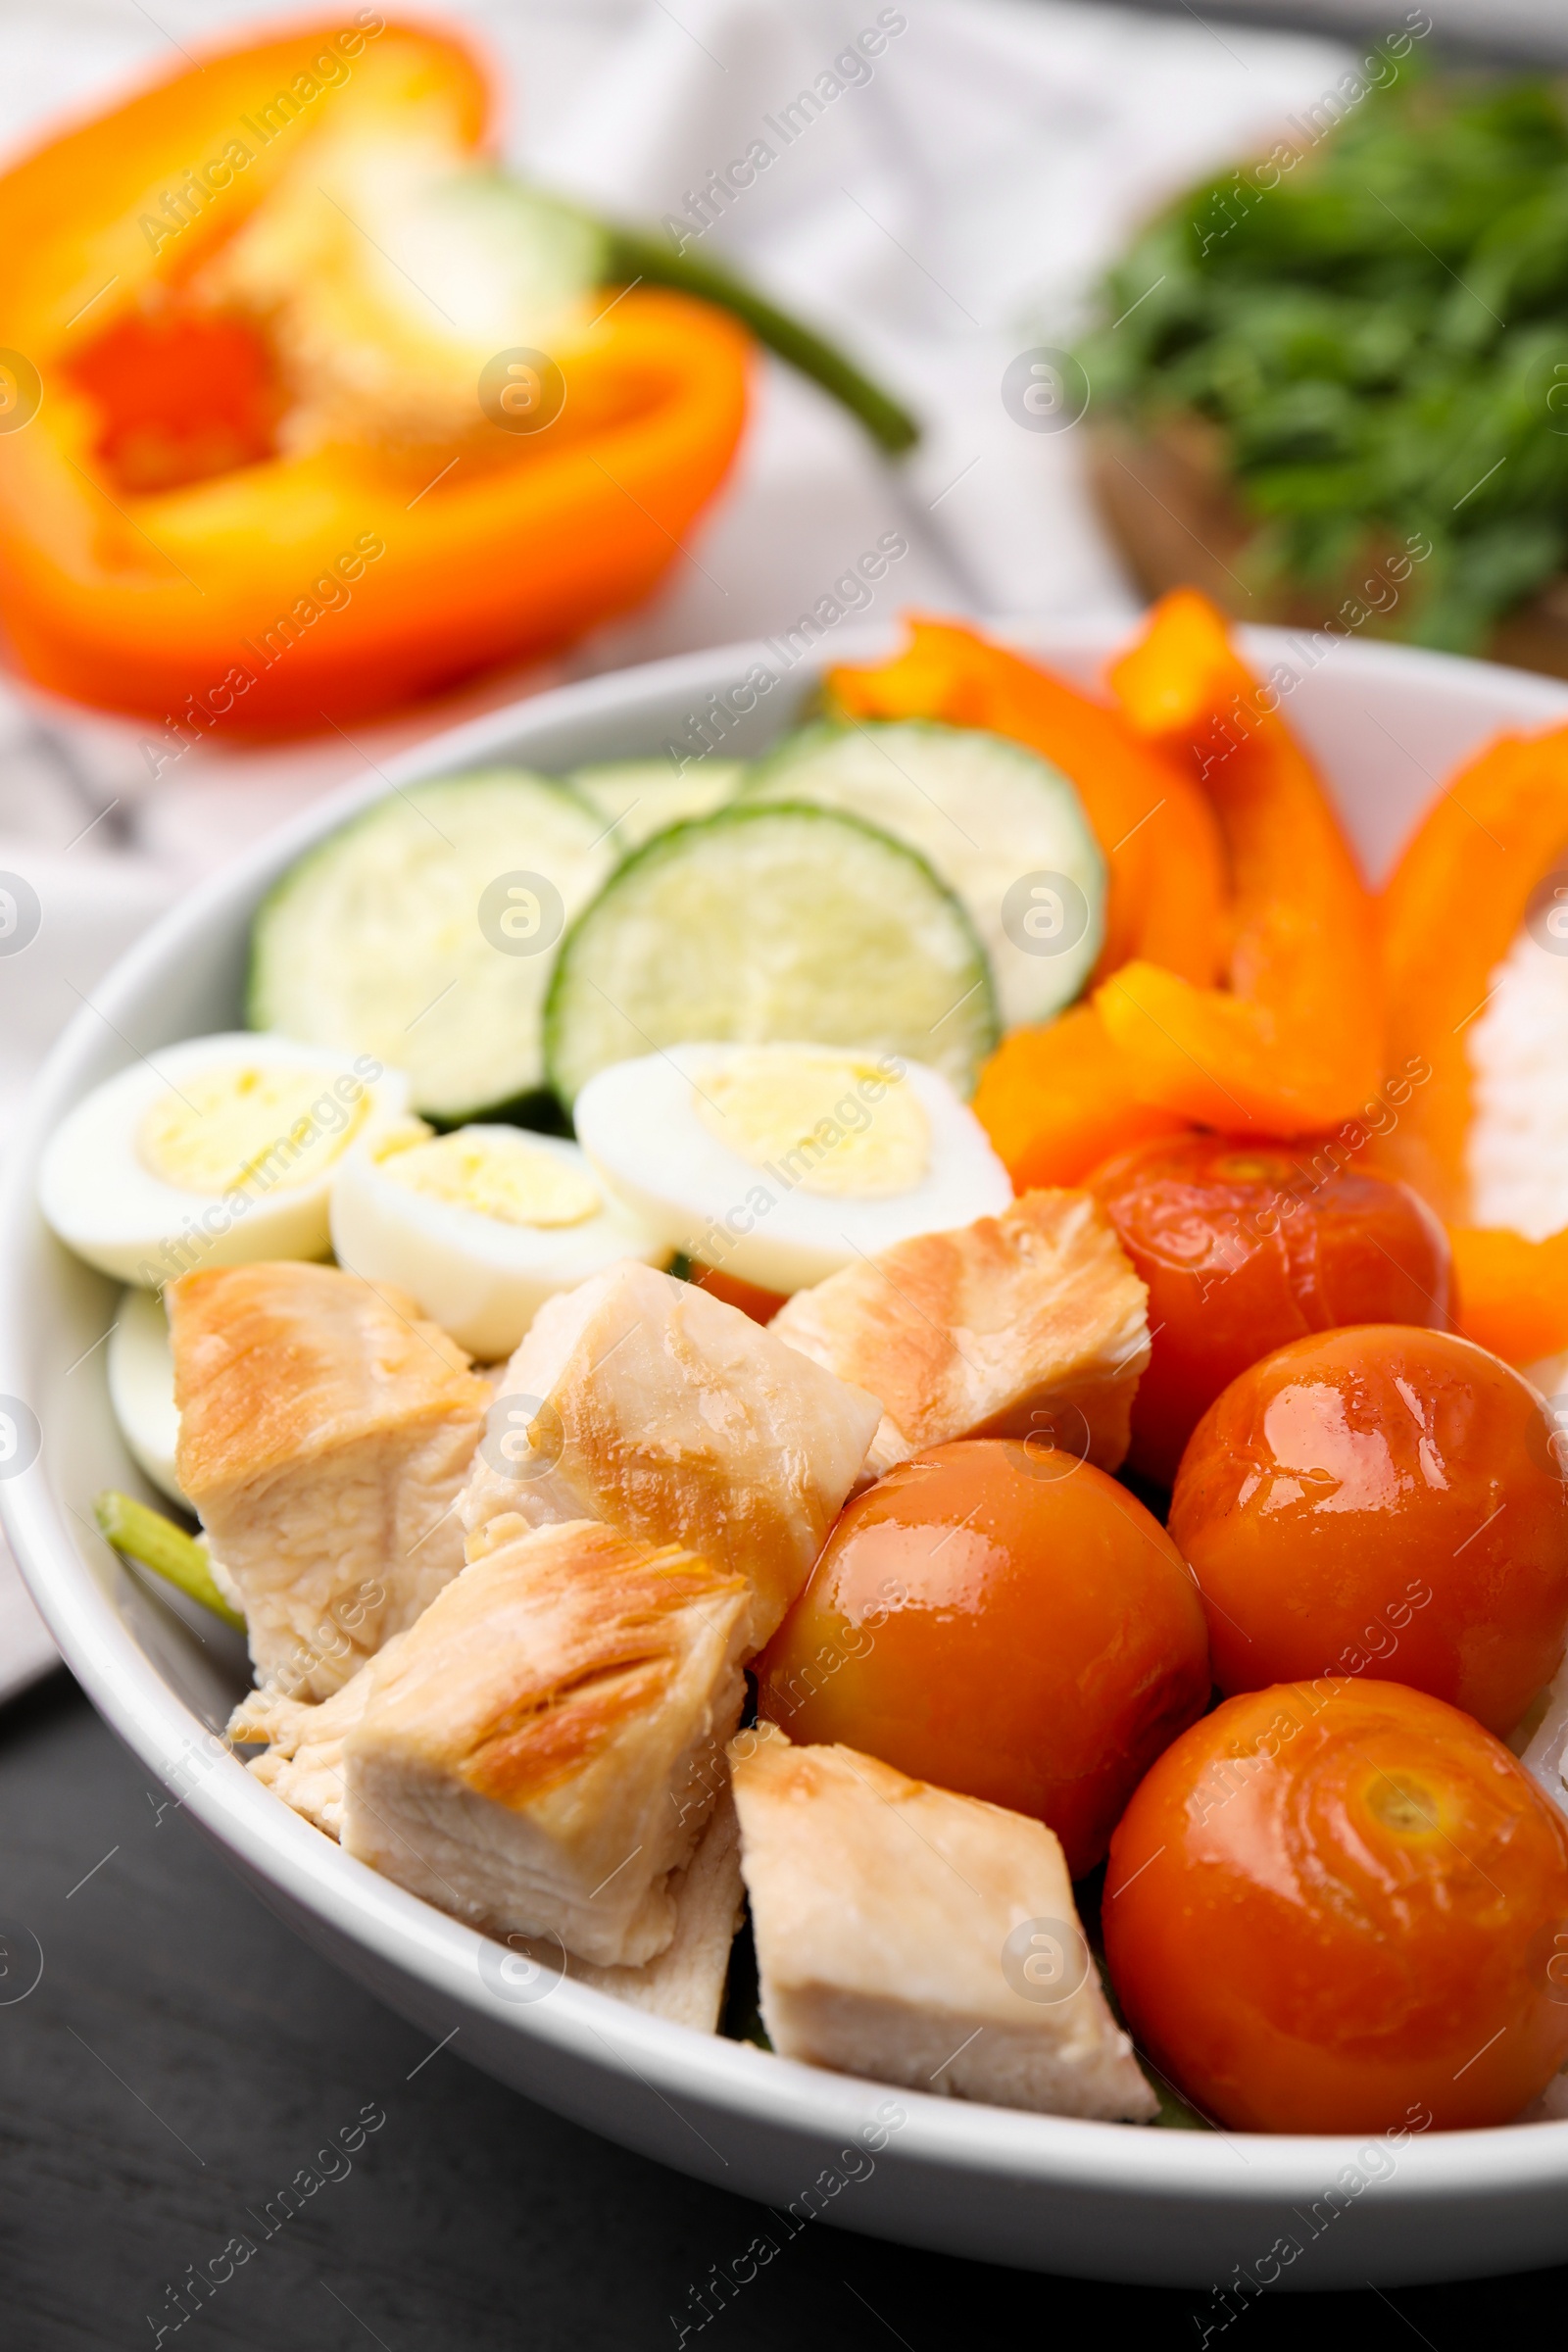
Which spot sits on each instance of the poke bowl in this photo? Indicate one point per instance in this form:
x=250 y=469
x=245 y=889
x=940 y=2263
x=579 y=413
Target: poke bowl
x=1050 y=2191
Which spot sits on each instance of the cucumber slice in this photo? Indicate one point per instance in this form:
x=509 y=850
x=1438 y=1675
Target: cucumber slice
x=1002 y=828
x=639 y=798
x=763 y=925
x=401 y=936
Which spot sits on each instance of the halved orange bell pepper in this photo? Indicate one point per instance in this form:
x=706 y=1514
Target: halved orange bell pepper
x=1057 y=1100
x=1453 y=909
x=1295 y=1045
x=1161 y=843
x=289 y=587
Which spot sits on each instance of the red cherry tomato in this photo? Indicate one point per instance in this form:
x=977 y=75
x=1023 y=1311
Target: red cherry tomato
x=1386 y=1503
x=1005 y=1621
x=1343 y=1908
x=1247 y=1246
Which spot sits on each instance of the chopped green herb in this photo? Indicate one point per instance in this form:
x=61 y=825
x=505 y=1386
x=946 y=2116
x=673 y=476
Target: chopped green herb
x=1374 y=324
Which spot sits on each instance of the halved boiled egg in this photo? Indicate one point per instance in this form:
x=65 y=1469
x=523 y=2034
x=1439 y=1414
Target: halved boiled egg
x=216 y=1152
x=775 y=1165
x=480 y=1226
x=141 y=1388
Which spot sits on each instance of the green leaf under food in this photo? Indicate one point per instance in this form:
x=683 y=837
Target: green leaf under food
x=1379 y=338
x=156 y=1543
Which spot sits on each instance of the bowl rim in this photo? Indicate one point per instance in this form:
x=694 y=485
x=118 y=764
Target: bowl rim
x=727 y=2080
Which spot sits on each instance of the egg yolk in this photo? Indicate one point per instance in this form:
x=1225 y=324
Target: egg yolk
x=244 y=1128
x=821 y=1121
x=497 y=1176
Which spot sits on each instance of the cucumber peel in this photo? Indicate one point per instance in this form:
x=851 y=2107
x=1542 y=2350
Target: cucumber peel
x=156 y=1543
x=1003 y=828
x=771 y=924
x=639 y=798
x=388 y=939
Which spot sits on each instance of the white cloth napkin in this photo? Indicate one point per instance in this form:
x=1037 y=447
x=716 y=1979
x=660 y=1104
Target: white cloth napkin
x=940 y=203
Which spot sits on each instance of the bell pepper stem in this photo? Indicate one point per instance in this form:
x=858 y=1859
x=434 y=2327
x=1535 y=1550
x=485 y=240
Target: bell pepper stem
x=156 y=1543
x=633 y=255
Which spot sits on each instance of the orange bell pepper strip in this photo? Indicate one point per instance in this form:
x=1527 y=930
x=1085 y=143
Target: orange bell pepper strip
x=1295 y=1045
x=1162 y=846
x=331 y=581
x=1511 y=1295
x=1453 y=906
x=1057 y=1100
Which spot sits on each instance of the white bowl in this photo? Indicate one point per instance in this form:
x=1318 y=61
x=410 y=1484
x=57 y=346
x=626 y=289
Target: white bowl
x=1047 y=2192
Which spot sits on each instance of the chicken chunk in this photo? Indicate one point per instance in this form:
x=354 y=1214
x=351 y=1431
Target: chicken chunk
x=639 y=1400
x=325 y=1433
x=919 y=1938
x=301 y=1761
x=686 y=1982
x=303 y=1764
x=545 y=1746
x=1029 y=1325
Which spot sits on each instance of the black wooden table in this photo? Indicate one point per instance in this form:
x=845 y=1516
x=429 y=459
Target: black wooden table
x=182 y=2058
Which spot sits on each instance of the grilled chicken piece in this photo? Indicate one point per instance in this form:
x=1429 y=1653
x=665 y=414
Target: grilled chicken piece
x=641 y=1400
x=325 y=1432
x=686 y=1982
x=303 y=1765
x=303 y=1760
x=542 y=1749
x=916 y=1937
x=1029 y=1325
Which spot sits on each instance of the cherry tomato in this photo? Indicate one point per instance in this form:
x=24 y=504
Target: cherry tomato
x=1005 y=1621
x=1245 y=1245
x=1386 y=1503
x=1343 y=1907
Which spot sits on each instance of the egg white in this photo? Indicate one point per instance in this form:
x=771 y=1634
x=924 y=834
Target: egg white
x=141 y=1388
x=482 y=1279
x=641 y=1126
x=108 y=1206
